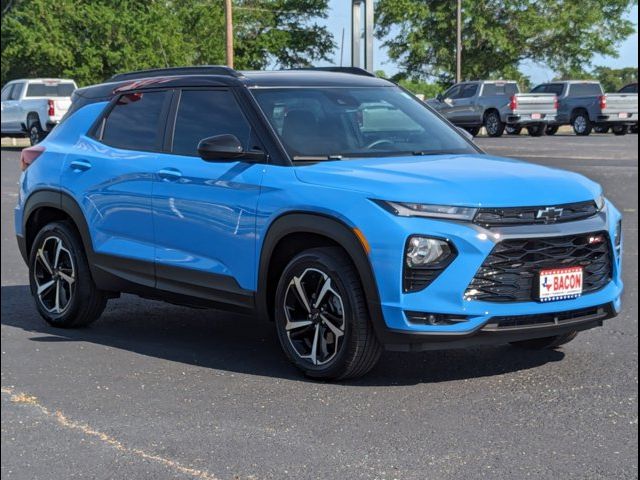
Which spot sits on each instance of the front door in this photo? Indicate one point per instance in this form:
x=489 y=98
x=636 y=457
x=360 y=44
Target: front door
x=205 y=211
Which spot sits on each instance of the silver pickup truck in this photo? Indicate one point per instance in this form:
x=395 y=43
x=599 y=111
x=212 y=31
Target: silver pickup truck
x=584 y=105
x=495 y=105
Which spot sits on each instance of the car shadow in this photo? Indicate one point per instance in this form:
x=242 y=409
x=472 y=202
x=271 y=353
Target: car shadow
x=242 y=344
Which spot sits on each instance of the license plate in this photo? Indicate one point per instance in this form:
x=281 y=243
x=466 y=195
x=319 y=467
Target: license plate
x=623 y=115
x=560 y=284
x=536 y=116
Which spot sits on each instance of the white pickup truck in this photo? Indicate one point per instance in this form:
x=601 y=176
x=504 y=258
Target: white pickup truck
x=32 y=107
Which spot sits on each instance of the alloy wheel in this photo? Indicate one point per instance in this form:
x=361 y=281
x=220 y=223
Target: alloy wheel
x=55 y=275
x=580 y=124
x=315 y=317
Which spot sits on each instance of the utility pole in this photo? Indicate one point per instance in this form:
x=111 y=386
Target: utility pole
x=356 y=33
x=459 y=44
x=228 y=14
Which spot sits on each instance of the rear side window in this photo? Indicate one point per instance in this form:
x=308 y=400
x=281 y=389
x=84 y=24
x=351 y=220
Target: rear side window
x=16 y=91
x=491 y=89
x=206 y=113
x=6 y=92
x=136 y=121
x=556 y=88
x=50 y=89
x=585 y=89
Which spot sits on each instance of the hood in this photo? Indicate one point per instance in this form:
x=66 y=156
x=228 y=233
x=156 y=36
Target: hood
x=460 y=180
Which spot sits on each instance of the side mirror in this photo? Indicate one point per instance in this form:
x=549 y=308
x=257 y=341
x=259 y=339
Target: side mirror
x=440 y=97
x=226 y=148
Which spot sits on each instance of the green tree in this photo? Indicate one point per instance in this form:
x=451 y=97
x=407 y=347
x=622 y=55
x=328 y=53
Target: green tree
x=499 y=34
x=613 y=79
x=90 y=40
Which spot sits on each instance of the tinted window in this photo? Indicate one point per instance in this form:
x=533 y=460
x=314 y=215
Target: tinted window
x=491 y=89
x=469 y=91
x=453 y=92
x=203 y=114
x=540 y=89
x=633 y=88
x=585 y=89
x=556 y=88
x=50 y=89
x=136 y=121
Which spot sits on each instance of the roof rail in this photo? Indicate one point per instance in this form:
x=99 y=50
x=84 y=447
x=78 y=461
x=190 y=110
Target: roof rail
x=351 y=70
x=200 y=70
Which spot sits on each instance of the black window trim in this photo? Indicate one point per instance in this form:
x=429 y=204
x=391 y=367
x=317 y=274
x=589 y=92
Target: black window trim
x=255 y=124
x=96 y=131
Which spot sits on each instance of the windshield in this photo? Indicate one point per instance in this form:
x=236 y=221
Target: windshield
x=356 y=122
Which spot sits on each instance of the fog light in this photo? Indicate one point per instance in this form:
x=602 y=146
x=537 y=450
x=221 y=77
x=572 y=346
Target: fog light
x=433 y=319
x=423 y=251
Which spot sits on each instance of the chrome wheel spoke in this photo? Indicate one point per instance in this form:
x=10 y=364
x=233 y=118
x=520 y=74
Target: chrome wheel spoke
x=294 y=325
x=314 y=346
x=301 y=293
x=56 y=307
x=45 y=286
x=56 y=261
x=54 y=275
x=326 y=286
x=67 y=278
x=44 y=261
x=334 y=329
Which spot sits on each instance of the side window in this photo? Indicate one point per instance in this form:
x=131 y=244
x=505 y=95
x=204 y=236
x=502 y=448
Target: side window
x=585 y=89
x=540 y=89
x=453 y=92
x=469 y=91
x=206 y=113
x=136 y=122
x=556 y=88
x=16 y=91
x=6 y=92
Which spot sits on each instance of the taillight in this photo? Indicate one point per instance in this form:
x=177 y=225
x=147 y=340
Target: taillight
x=29 y=155
x=52 y=108
x=603 y=102
x=513 y=104
x=556 y=103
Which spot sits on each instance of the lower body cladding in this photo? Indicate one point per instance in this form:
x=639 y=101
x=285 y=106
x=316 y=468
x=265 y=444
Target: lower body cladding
x=490 y=293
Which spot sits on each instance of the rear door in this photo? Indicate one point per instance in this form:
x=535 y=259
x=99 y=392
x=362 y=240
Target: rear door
x=205 y=211
x=110 y=176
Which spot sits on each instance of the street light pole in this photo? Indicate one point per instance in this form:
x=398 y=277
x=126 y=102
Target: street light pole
x=459 y=44
x=228 y=14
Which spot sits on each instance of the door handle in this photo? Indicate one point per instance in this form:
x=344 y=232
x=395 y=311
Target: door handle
x=80 y=165
x=170 y=174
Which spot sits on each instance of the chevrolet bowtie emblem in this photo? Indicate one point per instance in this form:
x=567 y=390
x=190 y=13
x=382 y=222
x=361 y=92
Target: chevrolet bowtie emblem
x=550 y=214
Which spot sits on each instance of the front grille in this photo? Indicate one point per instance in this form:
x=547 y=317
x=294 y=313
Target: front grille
x=546 y=319
x=494 y=217
x=510 y=272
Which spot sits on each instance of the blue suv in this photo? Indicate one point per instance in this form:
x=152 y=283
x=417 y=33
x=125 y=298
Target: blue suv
x=333 y=203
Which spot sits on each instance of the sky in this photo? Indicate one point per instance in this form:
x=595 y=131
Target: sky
x=340 y=19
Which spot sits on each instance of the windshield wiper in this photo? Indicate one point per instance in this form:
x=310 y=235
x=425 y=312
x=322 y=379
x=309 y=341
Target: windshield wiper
x=316 y=158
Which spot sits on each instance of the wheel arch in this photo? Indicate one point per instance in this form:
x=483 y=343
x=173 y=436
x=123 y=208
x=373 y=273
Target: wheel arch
x=297 y=231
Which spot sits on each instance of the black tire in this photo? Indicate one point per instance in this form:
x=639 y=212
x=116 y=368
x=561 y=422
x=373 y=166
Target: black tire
x=581 y=124
x=511 y=130
x=36 y=133
x=602 y=130
x=547 y=343
x=551 y=129
x=473 y=130
x=620 y=130
x=493 y=124
x=634 y=129
x=536 y=130
x=83 y=302
x=349 y=354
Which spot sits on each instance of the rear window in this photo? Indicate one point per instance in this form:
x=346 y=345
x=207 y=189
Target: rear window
x=633 y=88
x=585 y=89
x=50 y=89
x=491 y=89
x=136 y=121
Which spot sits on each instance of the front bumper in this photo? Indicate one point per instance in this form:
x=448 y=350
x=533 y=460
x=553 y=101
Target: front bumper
x=446 y=295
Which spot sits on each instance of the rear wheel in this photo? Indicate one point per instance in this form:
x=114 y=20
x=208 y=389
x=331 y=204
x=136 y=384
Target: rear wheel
x=513 y=130
x=601 y=129
x=581 y=123
x=536 y=130
x=547 y=343
x=552 y=129
x=620 y=130
x=473 y=130
x=36 y=133
x=493 y=124
x=60 y=280
x=322 y=318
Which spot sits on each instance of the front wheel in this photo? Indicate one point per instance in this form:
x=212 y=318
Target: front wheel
x=552 y=129
x=494 y=126
x=474 y=131
x=513 y=130
x=547 y=343
x=601 y=129
x=620 y=130
x=536 y=130
x=60 y=279
x=321 y=316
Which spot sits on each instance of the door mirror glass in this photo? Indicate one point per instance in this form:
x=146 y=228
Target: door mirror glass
x=226 y=148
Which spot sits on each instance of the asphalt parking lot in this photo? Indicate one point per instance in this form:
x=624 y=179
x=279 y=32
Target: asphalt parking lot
x=155 y=391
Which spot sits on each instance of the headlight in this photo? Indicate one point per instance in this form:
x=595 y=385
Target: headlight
x=423 y=251
x=601 y=202
x=431 y=211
